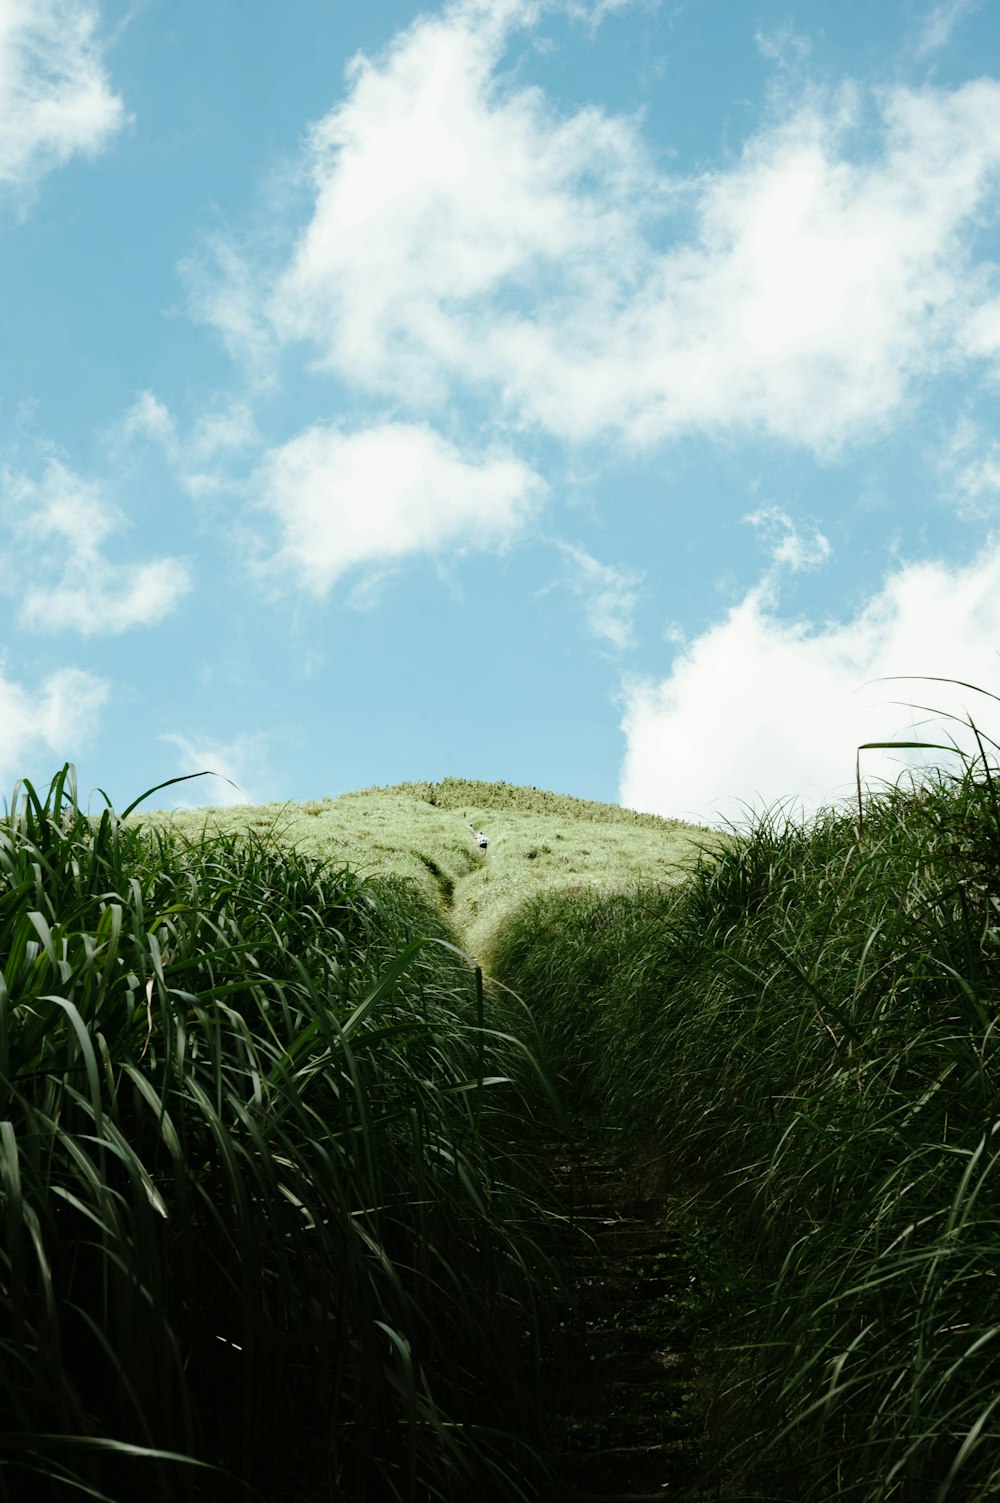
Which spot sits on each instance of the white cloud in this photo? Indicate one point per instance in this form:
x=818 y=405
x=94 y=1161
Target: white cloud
x=465 y=236
x=53 y=719
x=609 y=594
x=970 y=469
x=224 y=292
x=62 y=524
x=980 y=335
x=55 y=98
x=978 y=480
x=760 y=709
x=370 y=497
x=939 y=24
x=151 y=419
x=436 y=189
x=233 y=766
x=593 y=13
x=789 y=547
x=784 y=46
x=225 y=429
x=816 y=289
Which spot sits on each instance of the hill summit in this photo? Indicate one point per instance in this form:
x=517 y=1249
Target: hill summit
x=425 y=831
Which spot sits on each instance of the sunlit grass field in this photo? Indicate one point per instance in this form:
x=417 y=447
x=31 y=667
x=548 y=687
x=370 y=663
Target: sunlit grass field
x=425 y=833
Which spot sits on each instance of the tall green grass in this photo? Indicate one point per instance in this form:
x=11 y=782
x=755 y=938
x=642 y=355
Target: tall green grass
x=265 y=1199
x=807 y=1030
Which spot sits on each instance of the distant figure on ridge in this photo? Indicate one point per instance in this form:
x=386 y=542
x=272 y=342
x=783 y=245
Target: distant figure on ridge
x=481 y=840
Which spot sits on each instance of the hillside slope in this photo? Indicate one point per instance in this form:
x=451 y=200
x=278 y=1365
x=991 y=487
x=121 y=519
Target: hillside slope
x=425 y=831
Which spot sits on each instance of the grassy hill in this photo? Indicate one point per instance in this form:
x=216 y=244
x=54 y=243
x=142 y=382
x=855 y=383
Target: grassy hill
x=425 y=831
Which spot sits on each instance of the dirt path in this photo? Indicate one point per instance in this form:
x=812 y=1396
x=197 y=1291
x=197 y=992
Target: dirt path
x=622 y=1419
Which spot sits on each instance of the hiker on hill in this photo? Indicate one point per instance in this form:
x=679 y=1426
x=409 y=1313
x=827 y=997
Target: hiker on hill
x=481 y=841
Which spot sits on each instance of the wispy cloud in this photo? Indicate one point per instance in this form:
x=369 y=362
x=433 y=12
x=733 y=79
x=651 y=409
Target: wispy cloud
x=60 y=524
x=939 y=24
x=151 y=419
x=785 y=46
x=370 y=497
x=610 y=595
x=979 y=335
x=226 y=427
x=790 y=547
x=55 y=97
x=53 y=718
x=970 y=469
x=229 y=427
x=593 y=13
x=235 y=769
x=227 y=292
x=760 y=708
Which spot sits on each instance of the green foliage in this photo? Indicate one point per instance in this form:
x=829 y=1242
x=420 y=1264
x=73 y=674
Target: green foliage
x=262 y=1177
x=809 y=1027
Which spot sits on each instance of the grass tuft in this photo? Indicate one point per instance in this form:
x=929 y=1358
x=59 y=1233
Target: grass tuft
x=806 y=1032
x=265 y=1184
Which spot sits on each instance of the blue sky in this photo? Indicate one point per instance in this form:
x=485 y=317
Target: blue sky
x=594 y=394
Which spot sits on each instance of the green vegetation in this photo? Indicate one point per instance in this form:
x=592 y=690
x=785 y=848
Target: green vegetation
x=265 y=1167
x=806 y=1033
x=424 y=832
x=269 y=1156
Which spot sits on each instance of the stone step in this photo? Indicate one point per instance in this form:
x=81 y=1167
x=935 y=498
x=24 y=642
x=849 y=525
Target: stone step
x=612 y=1383
x=626 y=1468
x=657 y=1497
x=594 y=1290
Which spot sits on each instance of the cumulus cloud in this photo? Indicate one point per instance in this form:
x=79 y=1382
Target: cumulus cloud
x=760 y=709
x=464 y=235
x=609 y=594
x=62 y=523
x=53 y=718
x=233 y=767
x=342 y=499
x=55 y=97
x=435 y=191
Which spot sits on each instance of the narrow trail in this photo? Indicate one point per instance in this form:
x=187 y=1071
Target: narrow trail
x=622 y=1417
x=621 y=1414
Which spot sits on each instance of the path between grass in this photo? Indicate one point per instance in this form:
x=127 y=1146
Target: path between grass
x=620 y=1418
x=623 y=1419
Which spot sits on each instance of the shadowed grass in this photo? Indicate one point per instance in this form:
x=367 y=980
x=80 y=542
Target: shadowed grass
x=262 y=1177
x=809 y=1029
